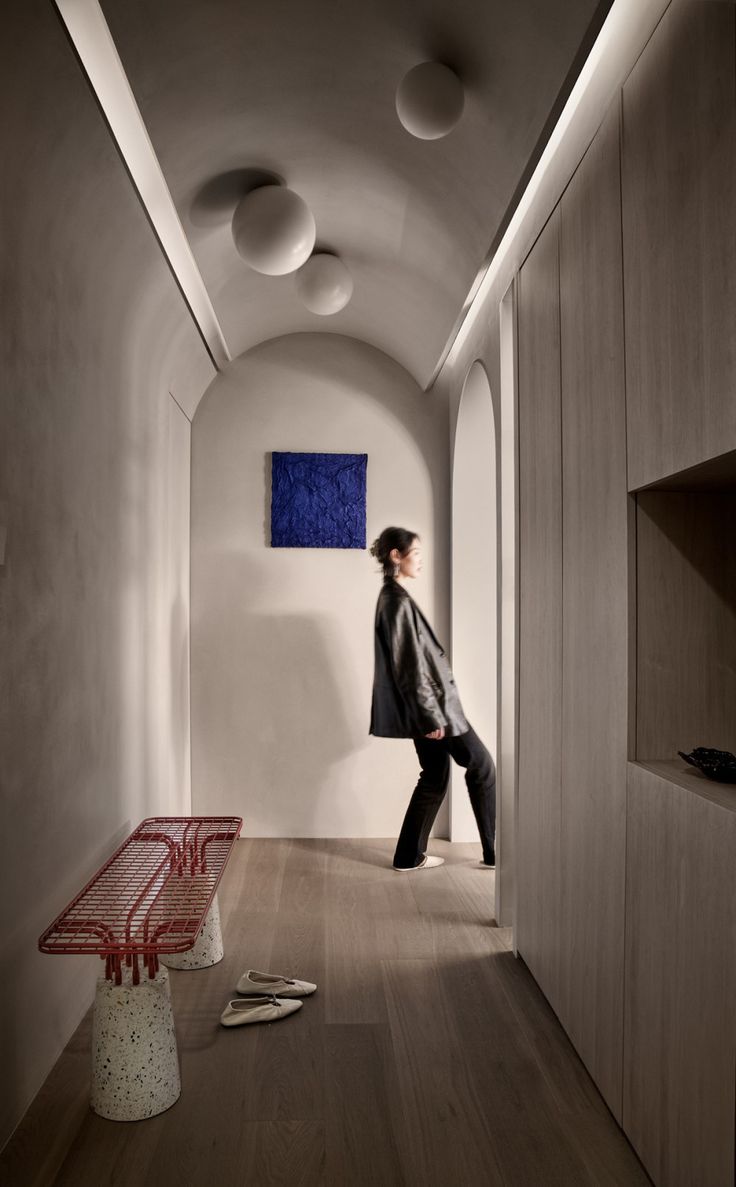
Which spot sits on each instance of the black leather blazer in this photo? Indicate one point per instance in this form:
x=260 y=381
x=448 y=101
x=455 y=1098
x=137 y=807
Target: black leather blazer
x=413 y=688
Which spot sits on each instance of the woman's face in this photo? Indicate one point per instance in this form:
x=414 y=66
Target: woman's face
x=410 y=565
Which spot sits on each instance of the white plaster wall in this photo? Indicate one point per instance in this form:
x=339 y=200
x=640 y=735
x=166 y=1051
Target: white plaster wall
x=474 y=579
x=282 y=639
x=174 y=609
x=94 y=465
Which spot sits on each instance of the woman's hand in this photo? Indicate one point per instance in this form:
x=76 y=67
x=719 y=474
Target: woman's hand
x=436 y=734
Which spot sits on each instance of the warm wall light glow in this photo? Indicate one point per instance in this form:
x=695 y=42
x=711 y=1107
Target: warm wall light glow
x=623 y=35
x=93 y=42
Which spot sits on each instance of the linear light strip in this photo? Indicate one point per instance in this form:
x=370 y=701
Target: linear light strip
x=626 y=28
x=93 y=42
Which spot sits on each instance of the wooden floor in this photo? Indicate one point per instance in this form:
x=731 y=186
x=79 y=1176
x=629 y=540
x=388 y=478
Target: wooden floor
x=427 y=1057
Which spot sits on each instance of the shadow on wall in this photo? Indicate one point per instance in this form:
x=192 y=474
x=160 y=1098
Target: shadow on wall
x=274 y=712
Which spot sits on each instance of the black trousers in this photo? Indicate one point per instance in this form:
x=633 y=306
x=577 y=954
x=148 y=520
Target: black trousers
x=480 y=776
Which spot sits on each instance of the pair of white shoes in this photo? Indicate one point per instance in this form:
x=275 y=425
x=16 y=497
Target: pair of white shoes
x=266 y=997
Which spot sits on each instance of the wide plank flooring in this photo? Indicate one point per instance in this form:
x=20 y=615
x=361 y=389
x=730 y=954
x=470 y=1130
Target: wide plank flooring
x=427 y=1058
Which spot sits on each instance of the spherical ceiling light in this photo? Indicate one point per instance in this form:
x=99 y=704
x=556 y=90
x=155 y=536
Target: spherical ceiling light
x=324 y=284
x=274 y=230
x=430 y=100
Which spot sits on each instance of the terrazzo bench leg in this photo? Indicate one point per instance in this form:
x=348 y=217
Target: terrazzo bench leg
x=207 y=948
x=135 y=1060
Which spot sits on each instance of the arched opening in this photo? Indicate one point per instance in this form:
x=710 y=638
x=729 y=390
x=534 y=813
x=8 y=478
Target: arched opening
x=282 y=638
x=474 y=578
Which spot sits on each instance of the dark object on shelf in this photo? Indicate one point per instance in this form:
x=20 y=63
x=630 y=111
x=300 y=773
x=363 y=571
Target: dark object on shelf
x=716 y=764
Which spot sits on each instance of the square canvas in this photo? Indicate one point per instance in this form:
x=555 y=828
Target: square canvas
x=318 y=500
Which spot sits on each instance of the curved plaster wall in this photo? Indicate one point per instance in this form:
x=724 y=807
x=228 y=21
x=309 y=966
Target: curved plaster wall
x=282 y=639
x=94 y=475
x=474 y=577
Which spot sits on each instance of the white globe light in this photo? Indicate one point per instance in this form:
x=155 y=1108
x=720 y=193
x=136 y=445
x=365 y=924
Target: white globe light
x=324 y=284
x=430 y=100
x=274 y=230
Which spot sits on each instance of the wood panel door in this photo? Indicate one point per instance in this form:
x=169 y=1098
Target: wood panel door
x=679 y=216
x=540 y=612
x=594 y=612
x=680 y=1046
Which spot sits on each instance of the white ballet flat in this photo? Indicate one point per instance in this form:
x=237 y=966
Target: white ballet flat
x=429 y=863
x=258 y=1008
x=274 y=983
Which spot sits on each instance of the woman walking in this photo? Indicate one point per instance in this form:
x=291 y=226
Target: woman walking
x=414 y=696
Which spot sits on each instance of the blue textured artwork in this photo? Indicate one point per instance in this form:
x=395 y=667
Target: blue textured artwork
x=318 y=500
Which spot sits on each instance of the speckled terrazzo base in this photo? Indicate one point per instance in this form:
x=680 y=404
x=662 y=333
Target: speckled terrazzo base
x=207 y=948
x=135 y=1061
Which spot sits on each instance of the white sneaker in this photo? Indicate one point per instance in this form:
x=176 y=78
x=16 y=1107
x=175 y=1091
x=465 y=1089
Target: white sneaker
x=429 y=863
x=260 y=1008
x=273 y=983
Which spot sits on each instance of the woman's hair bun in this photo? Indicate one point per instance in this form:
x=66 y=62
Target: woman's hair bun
x=390 y=538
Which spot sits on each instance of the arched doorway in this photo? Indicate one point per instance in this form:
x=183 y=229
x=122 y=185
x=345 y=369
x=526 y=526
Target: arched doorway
x=474 y=578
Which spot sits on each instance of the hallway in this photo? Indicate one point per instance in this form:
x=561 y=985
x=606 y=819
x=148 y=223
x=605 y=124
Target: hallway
x=428 y=1055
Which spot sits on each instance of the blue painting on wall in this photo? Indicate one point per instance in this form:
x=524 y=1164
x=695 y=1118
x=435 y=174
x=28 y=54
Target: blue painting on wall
x=318 y=500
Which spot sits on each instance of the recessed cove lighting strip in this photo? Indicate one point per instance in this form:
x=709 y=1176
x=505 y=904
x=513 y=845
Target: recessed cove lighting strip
x=625 y=31
x=91 y=37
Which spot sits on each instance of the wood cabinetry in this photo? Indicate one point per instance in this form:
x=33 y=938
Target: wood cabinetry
x=540 y=612
x=679 y=222
x=679 y=219
x=627 y=379
x=573 y=613
x=594 y=612
x=680 y=1037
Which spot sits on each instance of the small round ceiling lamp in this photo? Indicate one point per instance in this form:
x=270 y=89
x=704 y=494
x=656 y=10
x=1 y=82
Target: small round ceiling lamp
x=324 y=284
x=274 y=230
x=430 y=100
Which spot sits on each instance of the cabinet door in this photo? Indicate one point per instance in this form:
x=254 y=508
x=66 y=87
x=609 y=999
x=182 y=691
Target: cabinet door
x=594 y=612
x=680 y=1049
x=679 y=215
x=540 y=612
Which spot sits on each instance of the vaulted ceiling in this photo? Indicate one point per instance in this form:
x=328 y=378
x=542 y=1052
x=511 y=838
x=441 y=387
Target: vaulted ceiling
x=232 y=91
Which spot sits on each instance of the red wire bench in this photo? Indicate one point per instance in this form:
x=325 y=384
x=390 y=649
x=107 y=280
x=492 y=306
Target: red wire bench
x=152 y=898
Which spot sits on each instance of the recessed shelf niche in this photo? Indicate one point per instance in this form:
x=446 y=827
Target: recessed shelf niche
x=686 y=622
